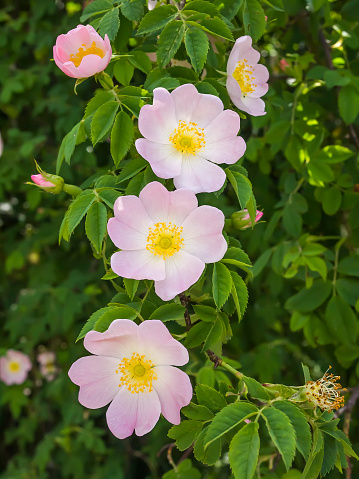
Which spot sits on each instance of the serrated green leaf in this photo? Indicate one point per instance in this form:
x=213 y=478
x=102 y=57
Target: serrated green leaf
x=131 y=286
x=90 y=323
x=185 y=433
x=169 y=312
x=169 y=42
x=228 y=8
x=197 y=334
x=98 y=100
x=255 y=389
x=281 y=432
x=217 y=27
x=237 y=257
x=131 y=169
x=197 y=411
x=196 y=42
x=211 y=454
x=78 y=208
x=95 y=8
x=244 y=451
x=201 y=6
x=330 y=454
x=253 y=19
x=215 y=336
x=228 y=418
x=95 y=224
x=206 y=313
x=122 y=135
x=102 y=121
x=156 y=19
x=122 y=312
x=108 y=196
x=123 y=71
x=210 y=398
x=109 y=24
x=221 y=284
x=300 y=424
x=141 y=61
x=241 y=185
x=132 y=9
x=239 y=293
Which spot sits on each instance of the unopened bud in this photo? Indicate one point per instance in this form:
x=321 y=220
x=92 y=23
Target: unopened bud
x=241 y=219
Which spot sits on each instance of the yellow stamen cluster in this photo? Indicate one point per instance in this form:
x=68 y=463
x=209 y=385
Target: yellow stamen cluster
x=243 y=74
x=82 y=52
x=188 y=138
x=137 y=374
x=325 y=392
x=164 y=239
x=14 y=366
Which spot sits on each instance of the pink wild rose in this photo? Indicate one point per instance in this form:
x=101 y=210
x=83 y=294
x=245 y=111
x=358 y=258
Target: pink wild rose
x=246 y=80
x=166 y=237
x=47 y=365
x=132 y=368
x=187 y=134
x=14 y=367
x=82 y=52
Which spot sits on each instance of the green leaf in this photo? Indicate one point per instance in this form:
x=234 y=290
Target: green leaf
x=210 y=398
x=123 y=71
x=122 y=312
x=261 y=262
x=228 y=418
x=348 y=102
x=292 y=221
x=310 y=299
x=196 y=411
x=217 y=27
x=282 y=433
x=90 y=323
x=131 y=286
x=210 y=454
x=95 y=224
x=335 y=154
x=122 y=135
x=215 y=336
x=98 y=100
x=131 y=169
x=331 y=200
x=169 y=42
x=350 y=10
x=78 y=208
x=244 y=451
x=185 y=433
x=141 y=61
x=196 y=42
x=156 y=19
x=109 y=24
x=102 y=121
x=228 y=8
x=300 y=424
x=221 y=283
x=349 y=265
x=240 y=294
x=237 y=257
x=132 y=9
x=197 y=335
x=201 y=6
x=108 y=196
x=206 y=313
x=306 y=373
x=330 y=454
x=253 y=19
x=341 y=320
x=255 y=389
x=184 y=470
x=241 y=185
x=169 y=312
x=95 y=8
x=317 y=264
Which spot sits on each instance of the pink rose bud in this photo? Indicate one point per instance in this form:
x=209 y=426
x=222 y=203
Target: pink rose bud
x=283 y=64
x=241 y=219
x=39 y=180
x=14 y=367
x=50 y=183
x=82 y=52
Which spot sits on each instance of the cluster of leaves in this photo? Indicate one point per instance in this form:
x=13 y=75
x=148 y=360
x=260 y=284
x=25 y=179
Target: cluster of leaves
x=302 y=158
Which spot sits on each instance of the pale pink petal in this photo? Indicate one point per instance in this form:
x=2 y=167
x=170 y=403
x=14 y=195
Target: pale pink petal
x=208 y=108
x=234 y=90
x=157 y=122
x=148 y=412
x=225 y=125
x=156 y=343
x=200 y=175
x=259 y=90
x=227 y=151
x=261 y=74
x=40 y=181
x=73 y=40
x=164 y=159
x=46 y=357
x=90 y=64
x=202 y=234
x=186 y=99
x=253 y=106
x=126 y=237
x=120 y=340
x=21 y=358
x=97 y=378
x=121 y=414
x=182 y=270
x=242 y=50
x=138 y=264
x=174 y=390
x=130 y=211
x=155 y=199
x=182 y=202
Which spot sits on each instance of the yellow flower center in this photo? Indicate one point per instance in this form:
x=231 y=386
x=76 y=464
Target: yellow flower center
x=83 y=51
x=188 y=138
x=164 y=239
x=14 y=366
x=137 y=374
x=243 y=74
x=325 y=392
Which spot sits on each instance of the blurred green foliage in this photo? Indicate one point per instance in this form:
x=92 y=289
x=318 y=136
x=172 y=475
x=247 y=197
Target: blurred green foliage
x=302 y=160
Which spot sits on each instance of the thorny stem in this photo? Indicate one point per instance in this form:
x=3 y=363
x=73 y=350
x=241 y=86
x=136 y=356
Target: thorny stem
x=184 y=301
x=170 y=458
